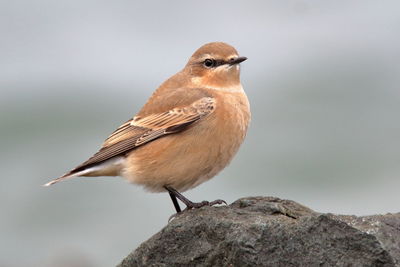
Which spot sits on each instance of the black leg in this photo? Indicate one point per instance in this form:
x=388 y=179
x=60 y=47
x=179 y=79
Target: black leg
x=175 y=201
x=189 y=204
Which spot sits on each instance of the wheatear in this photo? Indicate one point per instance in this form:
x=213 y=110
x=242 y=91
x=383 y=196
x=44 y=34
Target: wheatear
x=188 y=131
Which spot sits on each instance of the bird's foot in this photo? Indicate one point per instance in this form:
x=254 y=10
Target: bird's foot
x=175 y=195
x=196 y=205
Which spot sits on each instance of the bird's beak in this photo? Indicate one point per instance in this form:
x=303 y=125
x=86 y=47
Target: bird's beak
x=237 y=60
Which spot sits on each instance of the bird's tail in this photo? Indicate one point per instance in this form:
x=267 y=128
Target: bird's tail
x=72 y=174
x=109 y=167
x=67 y=176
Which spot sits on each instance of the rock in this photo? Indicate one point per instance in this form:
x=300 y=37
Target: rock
x=268 y=231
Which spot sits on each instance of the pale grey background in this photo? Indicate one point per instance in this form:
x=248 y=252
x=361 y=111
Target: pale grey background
x=322 y=78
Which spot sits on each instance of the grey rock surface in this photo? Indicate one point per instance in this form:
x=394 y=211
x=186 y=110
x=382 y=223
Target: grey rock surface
x=268 y=231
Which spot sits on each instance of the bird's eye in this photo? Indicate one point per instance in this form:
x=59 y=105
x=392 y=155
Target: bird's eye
x=209 y=63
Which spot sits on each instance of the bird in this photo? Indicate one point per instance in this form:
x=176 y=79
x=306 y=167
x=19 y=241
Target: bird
x=186 y=133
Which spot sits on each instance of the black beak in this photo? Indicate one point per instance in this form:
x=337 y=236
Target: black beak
x=236 y=60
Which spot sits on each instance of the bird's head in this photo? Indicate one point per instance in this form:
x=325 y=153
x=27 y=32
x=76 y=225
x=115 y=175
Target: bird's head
x=215 y=65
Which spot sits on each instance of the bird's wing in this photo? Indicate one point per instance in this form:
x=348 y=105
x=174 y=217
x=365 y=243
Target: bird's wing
x=141 y=130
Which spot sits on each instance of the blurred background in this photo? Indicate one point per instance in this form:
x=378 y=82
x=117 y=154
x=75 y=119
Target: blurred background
x=322 y=78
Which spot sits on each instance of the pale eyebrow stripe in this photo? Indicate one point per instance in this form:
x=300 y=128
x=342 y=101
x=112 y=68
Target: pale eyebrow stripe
x=205 y=56
x=233 y=55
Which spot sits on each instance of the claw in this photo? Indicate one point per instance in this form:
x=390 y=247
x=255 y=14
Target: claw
x=218 y=202
x=173 y=216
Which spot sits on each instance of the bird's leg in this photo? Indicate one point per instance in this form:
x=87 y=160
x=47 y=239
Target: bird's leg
x=189 y=204
x=175 y=201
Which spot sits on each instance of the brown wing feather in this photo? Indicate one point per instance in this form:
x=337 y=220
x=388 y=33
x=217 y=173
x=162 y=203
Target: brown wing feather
x=139 y=131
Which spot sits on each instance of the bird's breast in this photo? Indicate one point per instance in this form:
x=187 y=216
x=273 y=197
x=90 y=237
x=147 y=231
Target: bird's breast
x=188 y=158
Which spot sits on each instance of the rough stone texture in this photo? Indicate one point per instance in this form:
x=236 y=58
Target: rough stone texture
x=267 y=231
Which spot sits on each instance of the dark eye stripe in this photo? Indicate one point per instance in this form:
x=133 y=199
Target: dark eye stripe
x=213 y=63
x=219 y=62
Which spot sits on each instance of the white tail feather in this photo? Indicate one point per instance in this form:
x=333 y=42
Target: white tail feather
x=109 y=167
x=65 y=177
